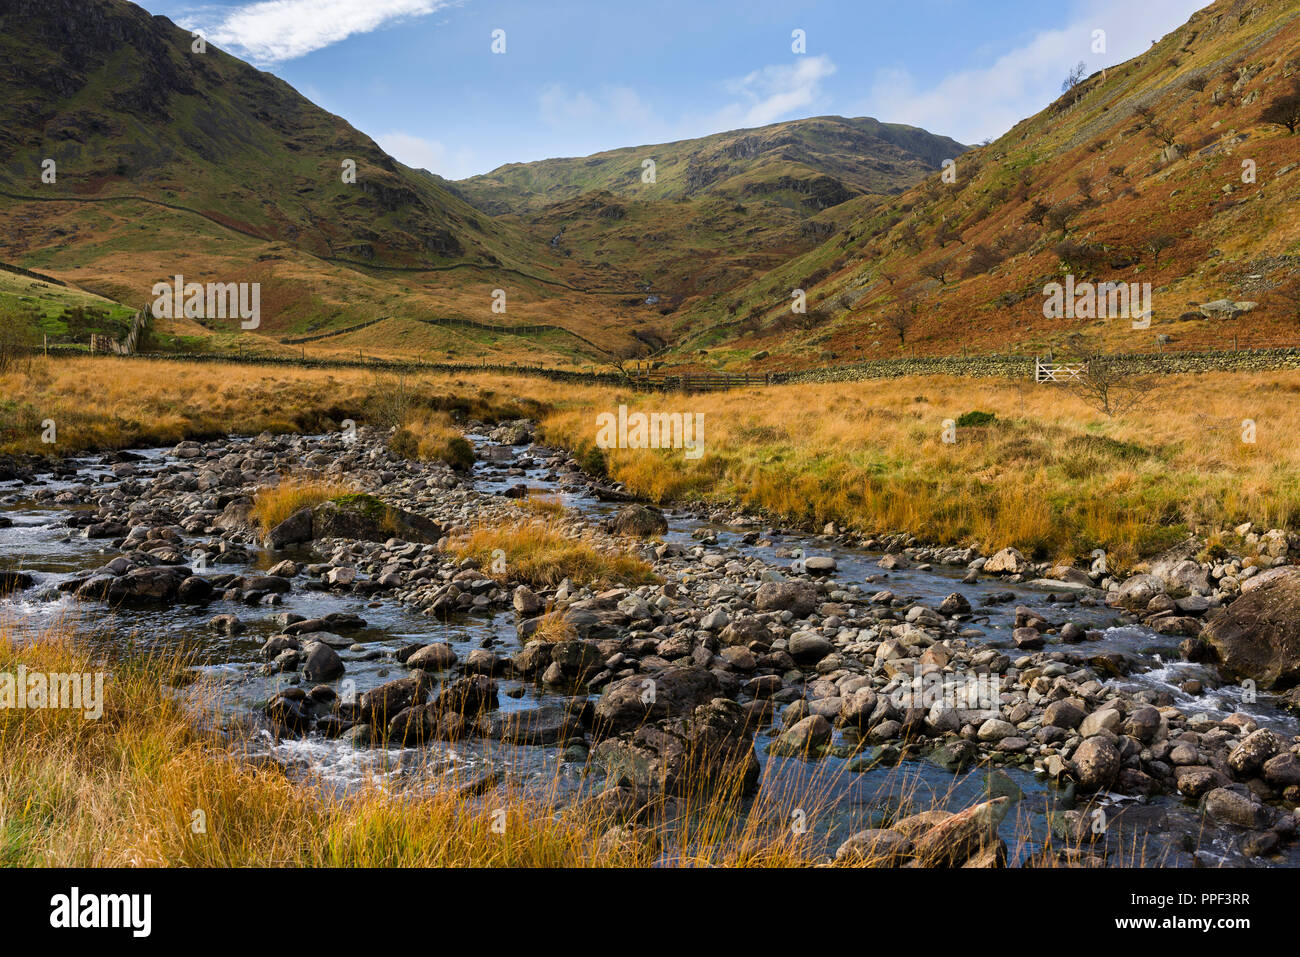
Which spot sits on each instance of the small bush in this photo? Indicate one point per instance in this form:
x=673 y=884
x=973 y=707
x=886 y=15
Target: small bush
x=972 y=419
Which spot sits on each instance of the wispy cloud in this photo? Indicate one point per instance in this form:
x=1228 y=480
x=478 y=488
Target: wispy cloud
x=776 y=92
x=971 y=105
x=272 y=31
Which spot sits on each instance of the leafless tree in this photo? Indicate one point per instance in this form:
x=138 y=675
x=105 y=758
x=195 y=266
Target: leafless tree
x=1290 y=294
x=938 y=269
x=902 y=316
x=1074 y=78
x=1157 y=244
x=1111 y=384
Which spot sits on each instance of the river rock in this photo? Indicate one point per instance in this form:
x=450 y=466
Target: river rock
x=11 y=581
x=638 y=521
x=1067 y=713
x=953 y=841
x=808 y=647
x=1242 y=808
x=1258 y=635
x=434 y=657
x=1248 y=757
x=636 y=699
x=388 y=699
x=1009 y=561
x=322 y=662
x=365 y=518
x=804 y=739
x=1096 y=762
x=880 y=847
x=798 y=598
x=294 y=530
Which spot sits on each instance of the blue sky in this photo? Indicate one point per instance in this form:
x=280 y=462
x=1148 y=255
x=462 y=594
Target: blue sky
x=580 y=76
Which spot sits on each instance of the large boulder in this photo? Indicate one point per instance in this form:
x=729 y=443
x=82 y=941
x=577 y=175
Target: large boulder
x=156 y=585
x=365 y=518
x=1136 y=592
x=798 y=598
x=294 y=530
x=957 y=839
x=706 y=745
x=638 y=521
x=1258 y=635
x=380 y=704
x=634 y=700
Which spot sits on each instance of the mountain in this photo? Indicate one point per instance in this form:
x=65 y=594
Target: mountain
x=719 y=210
x=807 y=165
x=1175 y=168
x=169 y=160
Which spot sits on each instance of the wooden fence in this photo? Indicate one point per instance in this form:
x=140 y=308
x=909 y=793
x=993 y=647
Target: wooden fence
x=1059 y=371
x=128 y=346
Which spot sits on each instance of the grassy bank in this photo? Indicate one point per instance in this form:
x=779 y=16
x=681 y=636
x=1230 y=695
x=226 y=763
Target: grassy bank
x=145 y=785
x=113 y=403
x=1047 y=473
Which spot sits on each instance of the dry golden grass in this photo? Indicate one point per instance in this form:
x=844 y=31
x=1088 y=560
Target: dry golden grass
x=1050 y=475
x=274 y=503
x=552 y=626
x=539 y=552
x=149 y=784
x=433 y=438
x=541 y=503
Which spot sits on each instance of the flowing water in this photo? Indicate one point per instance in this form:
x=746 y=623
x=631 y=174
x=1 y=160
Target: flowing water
x=850 y=797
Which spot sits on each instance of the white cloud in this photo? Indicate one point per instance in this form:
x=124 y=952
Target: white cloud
x=971 y=105
x=775 y=92
x=429 y=154
x=272 y=31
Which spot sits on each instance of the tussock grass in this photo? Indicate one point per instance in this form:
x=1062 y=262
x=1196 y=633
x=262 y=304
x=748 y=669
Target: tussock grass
x=1048 y=474
x=274 y=503
x=540 y=553
x=155 y=783
x=541 y=504
x=433 y=438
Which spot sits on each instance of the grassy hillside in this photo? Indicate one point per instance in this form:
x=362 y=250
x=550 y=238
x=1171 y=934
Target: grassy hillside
x=721 y=211
x=173 y=161
x=1134 y=176
x=809 y=164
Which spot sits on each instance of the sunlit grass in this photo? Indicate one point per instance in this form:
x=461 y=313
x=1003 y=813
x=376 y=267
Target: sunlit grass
x=274 y=503
x=539 y=552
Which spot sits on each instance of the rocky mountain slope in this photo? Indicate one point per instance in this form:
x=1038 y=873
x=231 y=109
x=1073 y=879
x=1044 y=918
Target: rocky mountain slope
x=1175 y=168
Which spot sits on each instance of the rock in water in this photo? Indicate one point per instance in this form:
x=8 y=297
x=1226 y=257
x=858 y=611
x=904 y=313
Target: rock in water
x=1258 y=635
x=638 y=521
x=323 y=663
